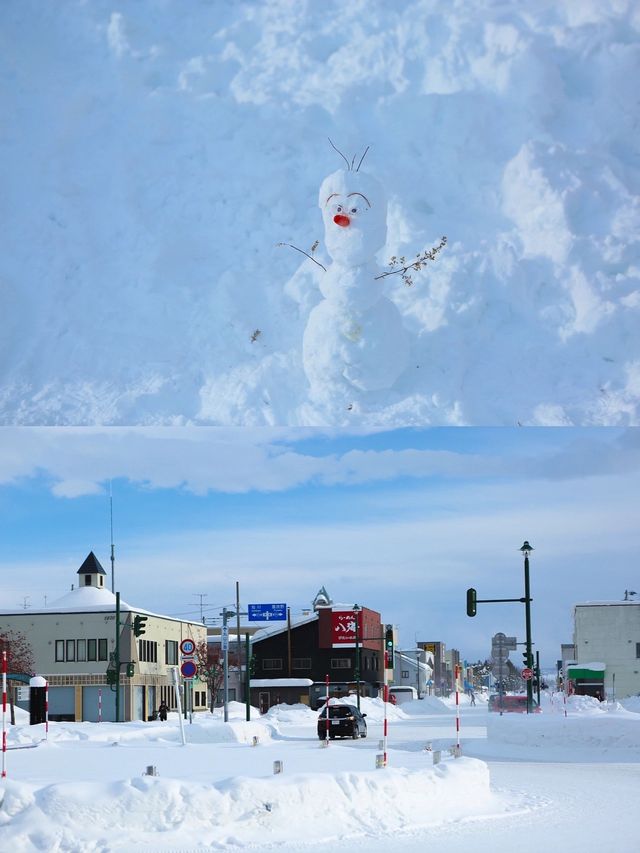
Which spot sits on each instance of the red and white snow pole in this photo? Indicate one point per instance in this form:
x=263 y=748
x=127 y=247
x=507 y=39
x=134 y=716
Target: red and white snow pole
x=46 y=710
x=457 y=676
x=99 y=704
x=326 y=731
x=4 y=713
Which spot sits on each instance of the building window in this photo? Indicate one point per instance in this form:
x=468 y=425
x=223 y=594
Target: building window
x=301 y=663
x=87 y=580
x=272 y=663
x=92 y=647
x=340 y=663
x=81 y=649
x=405 y=673
x=102 y=649
x=101 y=581
x=638 y=650
x=71 y=650
x=171 y=652
x=147 y=651
x=59 y=650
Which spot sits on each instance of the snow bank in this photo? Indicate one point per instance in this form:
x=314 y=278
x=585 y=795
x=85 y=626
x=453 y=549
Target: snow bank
x=140 y=280
x=150 y=812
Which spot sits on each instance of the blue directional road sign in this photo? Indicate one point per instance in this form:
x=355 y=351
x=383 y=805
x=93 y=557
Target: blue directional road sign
x=267 y=612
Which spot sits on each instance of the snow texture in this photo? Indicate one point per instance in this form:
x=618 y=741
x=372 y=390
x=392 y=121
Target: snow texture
x=85 y=787
x=153 y=161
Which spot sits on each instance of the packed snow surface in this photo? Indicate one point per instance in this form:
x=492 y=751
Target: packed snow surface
x=85 y=786
x=153 y=160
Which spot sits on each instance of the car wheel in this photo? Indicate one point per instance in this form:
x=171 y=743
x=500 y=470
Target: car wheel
x=364 y=733
x=355 y=734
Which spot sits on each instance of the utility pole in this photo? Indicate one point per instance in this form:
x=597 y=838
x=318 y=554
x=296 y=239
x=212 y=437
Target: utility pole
x=201 y=595
x=356 y=612
x=117 y=657
x=113 y=557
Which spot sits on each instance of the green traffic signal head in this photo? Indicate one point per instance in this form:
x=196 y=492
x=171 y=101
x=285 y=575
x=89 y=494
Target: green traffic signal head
x=139 y=625
x=472 y=598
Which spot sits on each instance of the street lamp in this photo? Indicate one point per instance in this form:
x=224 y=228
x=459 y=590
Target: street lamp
x=526 y=549
x=356 y=613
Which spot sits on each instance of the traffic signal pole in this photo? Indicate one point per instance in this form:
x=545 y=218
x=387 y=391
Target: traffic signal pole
x=527 y=612
x=473 y=600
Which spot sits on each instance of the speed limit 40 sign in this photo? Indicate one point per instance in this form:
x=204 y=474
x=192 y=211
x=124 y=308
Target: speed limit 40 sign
x=187 y=647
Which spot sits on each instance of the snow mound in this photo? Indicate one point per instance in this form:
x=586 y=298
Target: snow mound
x=152 y=812
x=140 y=281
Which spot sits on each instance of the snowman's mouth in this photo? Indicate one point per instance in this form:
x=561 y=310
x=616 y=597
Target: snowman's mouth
x=342 y=220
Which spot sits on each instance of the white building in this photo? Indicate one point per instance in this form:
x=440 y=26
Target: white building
x=413 y=668
x=609 y=631
x=73 y=641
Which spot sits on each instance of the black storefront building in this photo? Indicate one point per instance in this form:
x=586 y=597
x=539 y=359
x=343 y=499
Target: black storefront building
x=290 y=663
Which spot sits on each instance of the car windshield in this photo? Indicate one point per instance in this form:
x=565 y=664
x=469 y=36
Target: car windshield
x=338 y=711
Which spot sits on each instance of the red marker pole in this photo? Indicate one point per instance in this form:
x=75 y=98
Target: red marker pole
x=46 y=710
x=100 y=704
x=457 y=676
x=4 y=713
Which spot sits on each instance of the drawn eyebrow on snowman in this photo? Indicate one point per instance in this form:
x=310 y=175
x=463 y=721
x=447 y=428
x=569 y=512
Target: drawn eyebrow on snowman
x=335 y=195
x=361 y=196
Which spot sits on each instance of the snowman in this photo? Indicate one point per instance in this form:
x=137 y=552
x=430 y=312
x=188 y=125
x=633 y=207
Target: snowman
x=354 y=339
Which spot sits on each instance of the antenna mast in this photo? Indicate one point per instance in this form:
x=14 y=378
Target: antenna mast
x=113 y=559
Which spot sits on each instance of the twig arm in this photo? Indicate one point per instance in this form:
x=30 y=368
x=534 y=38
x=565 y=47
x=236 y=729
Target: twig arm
x=302 y=252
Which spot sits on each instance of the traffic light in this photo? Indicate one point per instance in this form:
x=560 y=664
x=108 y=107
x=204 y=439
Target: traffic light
x=112 y=678
x=472 y=597
x=129 y=670
x=388 y=646
x=527 y=659
x=139 y=625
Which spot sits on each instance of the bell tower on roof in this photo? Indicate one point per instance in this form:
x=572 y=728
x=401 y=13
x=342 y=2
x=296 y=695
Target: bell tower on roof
x=91 y=572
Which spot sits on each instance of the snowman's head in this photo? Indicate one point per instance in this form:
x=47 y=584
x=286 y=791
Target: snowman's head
x=354 y=211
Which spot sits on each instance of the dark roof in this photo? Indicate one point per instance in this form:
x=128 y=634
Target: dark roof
x=91 y=566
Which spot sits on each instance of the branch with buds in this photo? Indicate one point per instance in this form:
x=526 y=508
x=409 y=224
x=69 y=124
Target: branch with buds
x=401 y=267
x=306 y=254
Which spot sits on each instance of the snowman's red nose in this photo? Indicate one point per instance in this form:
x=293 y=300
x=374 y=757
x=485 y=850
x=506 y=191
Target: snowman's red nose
x=341 y=219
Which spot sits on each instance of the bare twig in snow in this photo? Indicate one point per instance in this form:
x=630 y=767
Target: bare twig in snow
x=306 y=254
x=420 y=261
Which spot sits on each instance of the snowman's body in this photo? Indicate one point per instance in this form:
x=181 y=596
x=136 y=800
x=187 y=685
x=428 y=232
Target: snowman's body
x=355 y=334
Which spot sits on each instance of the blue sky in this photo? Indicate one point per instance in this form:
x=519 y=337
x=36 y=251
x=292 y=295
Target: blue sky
x=401 y=521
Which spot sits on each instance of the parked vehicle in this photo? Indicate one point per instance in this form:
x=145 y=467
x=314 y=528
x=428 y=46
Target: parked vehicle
x=402 y=693
x=344 y=721
x=511 y=704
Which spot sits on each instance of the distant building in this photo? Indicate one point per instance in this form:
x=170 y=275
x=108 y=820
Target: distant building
x=290 y=662
x=438 y=651
x=73 y=641
x=608 y=632
x=413 y=668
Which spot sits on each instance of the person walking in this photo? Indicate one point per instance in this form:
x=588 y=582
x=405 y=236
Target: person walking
x=162 y=711
x=473 y=697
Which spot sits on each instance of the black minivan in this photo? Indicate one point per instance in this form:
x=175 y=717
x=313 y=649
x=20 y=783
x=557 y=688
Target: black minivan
x=344 y=721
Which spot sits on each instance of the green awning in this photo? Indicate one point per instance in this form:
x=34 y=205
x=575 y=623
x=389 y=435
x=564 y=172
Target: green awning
x=575 y=673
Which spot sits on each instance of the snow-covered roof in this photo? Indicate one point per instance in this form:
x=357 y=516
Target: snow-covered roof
x=280 y=682
x=87 y=599
x=596 y=666
x=606 y=603
x=279 y=627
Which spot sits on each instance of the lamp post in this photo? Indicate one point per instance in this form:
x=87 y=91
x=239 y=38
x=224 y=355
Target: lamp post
x=526 y=549
x=356 y=613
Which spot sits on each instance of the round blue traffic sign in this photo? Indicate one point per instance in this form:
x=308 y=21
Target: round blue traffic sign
x=188 y=669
